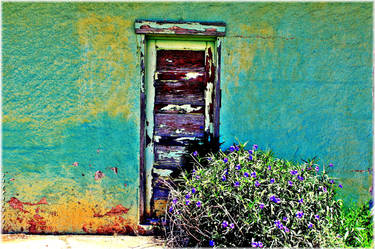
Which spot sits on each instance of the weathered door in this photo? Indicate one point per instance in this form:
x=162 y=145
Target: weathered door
x=179 y=101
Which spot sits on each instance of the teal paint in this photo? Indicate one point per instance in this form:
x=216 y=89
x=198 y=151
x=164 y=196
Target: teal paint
x=298 y=75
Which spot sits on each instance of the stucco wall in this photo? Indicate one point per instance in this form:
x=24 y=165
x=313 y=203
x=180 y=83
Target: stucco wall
x=298 y=75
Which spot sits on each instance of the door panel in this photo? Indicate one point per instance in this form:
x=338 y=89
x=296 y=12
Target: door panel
x=180 y=81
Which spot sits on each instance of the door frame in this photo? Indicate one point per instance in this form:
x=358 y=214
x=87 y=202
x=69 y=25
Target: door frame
x=169 y=31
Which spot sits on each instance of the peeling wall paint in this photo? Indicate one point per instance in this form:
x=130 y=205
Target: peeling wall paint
x=295 y=77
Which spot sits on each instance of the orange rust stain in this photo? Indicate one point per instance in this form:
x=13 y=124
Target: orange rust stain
x=66 y=216
x=118 y=226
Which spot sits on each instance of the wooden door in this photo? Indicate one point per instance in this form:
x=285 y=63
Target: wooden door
x=180 y=76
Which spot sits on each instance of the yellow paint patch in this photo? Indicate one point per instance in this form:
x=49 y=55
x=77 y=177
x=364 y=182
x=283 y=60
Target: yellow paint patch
x=108 y=65
x=242 y=51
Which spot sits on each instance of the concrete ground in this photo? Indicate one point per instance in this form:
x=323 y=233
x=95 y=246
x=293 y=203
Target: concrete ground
x=22 y=241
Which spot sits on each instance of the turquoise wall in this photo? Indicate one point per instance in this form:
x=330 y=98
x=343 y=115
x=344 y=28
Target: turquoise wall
x=299 y=76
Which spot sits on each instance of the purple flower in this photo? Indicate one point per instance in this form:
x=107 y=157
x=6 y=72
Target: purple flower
x=187 y=196
x=231 y=149
x=224 y=224
x=255 y=147
x=324 y=189
x=231 y=225
x=317 y=168
x=330 y=165
x=260 y=244
x=237 y=184
x=212 y=243
x=286 y=230
x=310 y=225
x=254 y=244
x=238 y=167
x=317 y=217
x=285 y=218
x=340 y=185
x=281 y=226
x=250 y=152
x=274 y=199
x=294 y=172
x=195 y=153
x=174 y=201
x=299 y=214
x=277 y=222
x=225 y=160
x=170 y=209
x=209 y=159
x=269 y=167
x=246 y=174
x=187 y=202
x=261 y=205
x=237 y=148
x=223 y=178
x=272 y=180
x=193 y=190
x=331 y=181
x=197 y=177
x=254 y=174
x=290 y=183
x=226 y=171
x=250 y=158
x=300 y=200
x=199 y=204
x=300 y=178
x=256 y=183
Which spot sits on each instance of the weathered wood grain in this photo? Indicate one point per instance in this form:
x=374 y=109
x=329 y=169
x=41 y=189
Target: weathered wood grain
x=178 y=95
x=168 y=155
x=179 y=125
x=181 y=75
x=180 y=28
x=180 y=59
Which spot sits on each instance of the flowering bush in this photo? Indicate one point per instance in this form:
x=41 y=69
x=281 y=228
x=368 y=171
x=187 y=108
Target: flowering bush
x=248 y=198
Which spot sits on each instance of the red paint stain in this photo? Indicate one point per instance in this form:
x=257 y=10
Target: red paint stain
x=17 y=204
x=118 y=210
x=99 y=175
x=115 y=170
x=115 y=229
x=38 y=225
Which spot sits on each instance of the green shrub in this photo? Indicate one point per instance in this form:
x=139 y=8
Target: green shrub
x=356 y=226
x=251 y=199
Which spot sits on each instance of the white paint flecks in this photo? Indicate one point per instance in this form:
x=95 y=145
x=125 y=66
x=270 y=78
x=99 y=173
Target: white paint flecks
x=192 y=75
x=186 y=108
x=184 y=138
x=163 y=172
x=178 y=131
x=208 y=100
x=157 y=138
